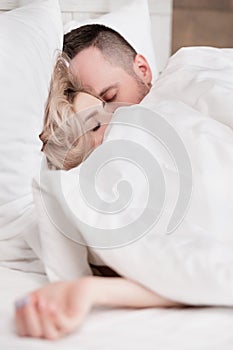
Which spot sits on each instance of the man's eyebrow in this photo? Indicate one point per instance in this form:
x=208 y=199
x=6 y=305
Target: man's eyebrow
x=107 y=89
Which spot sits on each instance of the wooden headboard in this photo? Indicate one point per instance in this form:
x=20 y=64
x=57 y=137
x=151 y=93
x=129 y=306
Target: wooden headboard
x=160 y=12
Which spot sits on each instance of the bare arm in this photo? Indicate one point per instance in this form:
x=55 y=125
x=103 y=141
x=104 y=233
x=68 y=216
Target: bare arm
x=60 y=308
x=125 y=293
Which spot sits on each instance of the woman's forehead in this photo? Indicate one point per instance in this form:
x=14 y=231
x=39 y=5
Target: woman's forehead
x=84 y=101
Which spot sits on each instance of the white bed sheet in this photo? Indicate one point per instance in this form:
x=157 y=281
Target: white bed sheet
x=181 y=329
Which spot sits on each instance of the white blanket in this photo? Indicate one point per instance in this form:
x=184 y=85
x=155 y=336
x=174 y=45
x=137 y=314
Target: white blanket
x=193 y=264
x=200 y=77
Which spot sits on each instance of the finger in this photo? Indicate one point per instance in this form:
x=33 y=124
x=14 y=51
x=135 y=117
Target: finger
x=19 y=316
x=49 y=329
x=30 y=317
x=19 y=323
x=32 y=321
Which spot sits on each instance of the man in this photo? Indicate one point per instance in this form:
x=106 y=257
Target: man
x=110 y=68
x=107 y=65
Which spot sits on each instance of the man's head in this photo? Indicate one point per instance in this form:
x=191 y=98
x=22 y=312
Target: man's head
x=107 y=65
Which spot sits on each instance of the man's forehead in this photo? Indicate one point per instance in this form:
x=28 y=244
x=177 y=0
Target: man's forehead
x=94 y=72
x=89 y=60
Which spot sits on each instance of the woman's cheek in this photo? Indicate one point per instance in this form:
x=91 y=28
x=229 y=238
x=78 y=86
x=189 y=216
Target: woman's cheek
x=99 y=135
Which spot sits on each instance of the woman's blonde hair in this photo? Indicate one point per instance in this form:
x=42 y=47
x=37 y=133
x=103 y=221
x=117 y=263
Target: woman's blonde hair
x=65 y=143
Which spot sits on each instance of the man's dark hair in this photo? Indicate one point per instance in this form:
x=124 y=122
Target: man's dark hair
x=112 y=45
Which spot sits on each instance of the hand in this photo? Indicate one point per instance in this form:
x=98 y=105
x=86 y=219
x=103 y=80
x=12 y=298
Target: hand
x=54 y=310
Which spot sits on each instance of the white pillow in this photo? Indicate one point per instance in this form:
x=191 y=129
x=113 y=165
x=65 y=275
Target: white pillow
x=132 y=21
x=29 y=38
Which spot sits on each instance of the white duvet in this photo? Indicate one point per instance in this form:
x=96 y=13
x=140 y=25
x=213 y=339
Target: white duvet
x=191 y=263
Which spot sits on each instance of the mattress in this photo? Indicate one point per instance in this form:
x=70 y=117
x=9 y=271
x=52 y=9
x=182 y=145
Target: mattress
x=164 y=329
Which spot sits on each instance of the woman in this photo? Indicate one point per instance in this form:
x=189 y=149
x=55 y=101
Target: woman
x=74 y=125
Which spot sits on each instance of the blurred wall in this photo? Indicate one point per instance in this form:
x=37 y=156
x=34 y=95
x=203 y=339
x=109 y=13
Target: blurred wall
x=202 y=22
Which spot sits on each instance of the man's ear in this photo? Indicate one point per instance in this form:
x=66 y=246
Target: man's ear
x=142 y=69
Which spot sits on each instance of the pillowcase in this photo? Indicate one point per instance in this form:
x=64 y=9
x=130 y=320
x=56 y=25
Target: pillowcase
x=133 y=23
x=29 y=39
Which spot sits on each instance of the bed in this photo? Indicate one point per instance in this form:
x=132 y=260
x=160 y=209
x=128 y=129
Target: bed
x=190 y=328
x=187 y=328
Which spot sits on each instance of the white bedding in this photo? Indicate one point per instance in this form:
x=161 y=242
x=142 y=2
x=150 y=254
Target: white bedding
x=193 y=265
x=176 y=329
x=200 y=328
